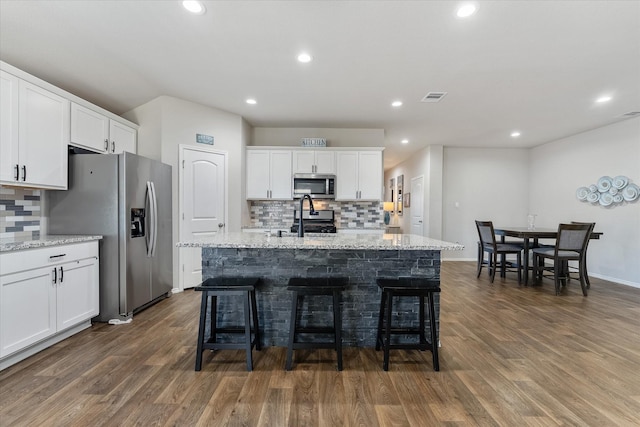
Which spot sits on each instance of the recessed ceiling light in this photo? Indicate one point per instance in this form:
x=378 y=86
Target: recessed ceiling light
x=466 y=10
x=602 y=99
x=515 y=134
x=195 y=7
x=251 y=101
x=304 y=58
x=396 y=104
x=405 y=141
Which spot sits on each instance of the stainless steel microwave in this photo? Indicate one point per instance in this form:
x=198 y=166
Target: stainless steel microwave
x=316 y=185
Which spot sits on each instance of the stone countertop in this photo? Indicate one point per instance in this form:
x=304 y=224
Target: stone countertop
x=322 y=241
x=11 y=244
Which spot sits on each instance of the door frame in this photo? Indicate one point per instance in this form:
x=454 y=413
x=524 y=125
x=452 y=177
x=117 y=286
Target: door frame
x=181 y=150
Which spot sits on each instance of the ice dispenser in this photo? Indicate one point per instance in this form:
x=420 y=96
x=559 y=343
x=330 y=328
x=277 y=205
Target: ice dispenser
x=137 y=222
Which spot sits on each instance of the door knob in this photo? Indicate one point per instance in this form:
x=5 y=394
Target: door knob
x=221 y=225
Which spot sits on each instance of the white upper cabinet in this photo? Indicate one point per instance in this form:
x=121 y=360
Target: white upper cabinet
x=269 y=175
x=34 y=136
x=359 y=175
x=94 y=131
x=321 y=162
x=122 y=138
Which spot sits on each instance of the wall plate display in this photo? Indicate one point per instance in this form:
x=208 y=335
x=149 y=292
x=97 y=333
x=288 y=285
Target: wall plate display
x=609 y=191
x=399 y=188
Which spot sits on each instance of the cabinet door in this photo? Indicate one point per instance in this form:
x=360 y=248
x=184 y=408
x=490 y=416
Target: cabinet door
x=77 y=292
x=281 y=177
x=27 y=309
x=325 y=162
x=258 y=176
x=8 y=127
x=123 y=138
x=303 y=161
x=44 y=136
x=89 y=129
x=347 y=175
x=370 y=175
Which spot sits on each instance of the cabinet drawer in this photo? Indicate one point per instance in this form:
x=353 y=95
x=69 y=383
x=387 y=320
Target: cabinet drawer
x=30 y=259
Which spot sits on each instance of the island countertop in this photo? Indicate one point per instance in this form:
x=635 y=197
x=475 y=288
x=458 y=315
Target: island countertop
x=321 y=241
x=13 y=244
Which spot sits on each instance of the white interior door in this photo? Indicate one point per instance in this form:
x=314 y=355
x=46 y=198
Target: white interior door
x=203 y=205
x=417 y=205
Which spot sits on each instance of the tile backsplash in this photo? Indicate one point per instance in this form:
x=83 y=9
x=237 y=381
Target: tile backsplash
x=19 y=212
x=279 y=214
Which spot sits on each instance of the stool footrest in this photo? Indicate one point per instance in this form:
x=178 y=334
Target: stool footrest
x=310 y=345
x=406 y=331
x=212 y=345
x=315 y=330
x=232 y=330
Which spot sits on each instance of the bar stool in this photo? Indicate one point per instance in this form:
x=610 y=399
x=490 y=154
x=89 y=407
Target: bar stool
x=302 y=287
x=236 y=286
x=407 y=287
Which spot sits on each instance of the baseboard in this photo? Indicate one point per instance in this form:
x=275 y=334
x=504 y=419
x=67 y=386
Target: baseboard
x=615 y=280
x=597 y=276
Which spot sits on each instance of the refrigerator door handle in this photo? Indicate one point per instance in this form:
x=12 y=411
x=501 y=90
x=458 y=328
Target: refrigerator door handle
x=154 y=236
x=148 y=219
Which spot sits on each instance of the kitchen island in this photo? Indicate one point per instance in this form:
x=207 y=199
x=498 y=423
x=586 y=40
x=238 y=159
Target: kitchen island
x=362 y=258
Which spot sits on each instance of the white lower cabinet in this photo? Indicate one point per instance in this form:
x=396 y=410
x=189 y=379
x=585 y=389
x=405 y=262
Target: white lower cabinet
x=45 y=292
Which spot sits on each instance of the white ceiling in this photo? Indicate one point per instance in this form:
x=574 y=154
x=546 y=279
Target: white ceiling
x=534 y=66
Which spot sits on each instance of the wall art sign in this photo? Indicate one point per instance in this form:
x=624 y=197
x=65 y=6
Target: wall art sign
x=609 y=191
x=314 y=142
x=204 y=139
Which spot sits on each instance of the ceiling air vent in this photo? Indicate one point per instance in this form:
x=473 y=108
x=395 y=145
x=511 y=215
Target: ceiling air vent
x=433 y=97
x=631 y=114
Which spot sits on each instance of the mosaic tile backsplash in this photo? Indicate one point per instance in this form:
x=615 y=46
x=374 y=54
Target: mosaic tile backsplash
x=19 y=212
x=279 y=214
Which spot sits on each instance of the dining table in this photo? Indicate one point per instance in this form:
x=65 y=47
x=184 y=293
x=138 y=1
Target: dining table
x=531 y=237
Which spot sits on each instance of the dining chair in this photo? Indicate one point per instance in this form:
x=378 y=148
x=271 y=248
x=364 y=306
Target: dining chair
x=489 y=245
x=571 y=245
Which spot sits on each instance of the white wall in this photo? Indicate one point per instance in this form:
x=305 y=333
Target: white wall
x=167 y=122
x=482 y=184
x=559 y=168
x=335 y=137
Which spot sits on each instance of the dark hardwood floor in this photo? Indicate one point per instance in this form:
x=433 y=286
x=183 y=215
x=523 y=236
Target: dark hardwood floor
x=510 y=356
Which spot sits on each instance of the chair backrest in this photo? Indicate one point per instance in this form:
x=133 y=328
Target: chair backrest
x=486 y=233
x=574 y=236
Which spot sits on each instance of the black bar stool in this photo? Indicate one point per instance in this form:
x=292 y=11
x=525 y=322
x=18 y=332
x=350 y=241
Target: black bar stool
x=407 y=287
x=218 y=286
x=302 y=287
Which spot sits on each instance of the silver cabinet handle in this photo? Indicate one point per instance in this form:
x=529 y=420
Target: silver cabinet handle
x=24 y=173
x=55 y=275
x=61 y=274
x=113 y=146
x=106 y=145
x=17 y=172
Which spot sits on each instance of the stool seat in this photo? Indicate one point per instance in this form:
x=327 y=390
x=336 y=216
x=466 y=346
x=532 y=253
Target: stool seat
x=228 y=286
x=321 y=286
x=407 y=287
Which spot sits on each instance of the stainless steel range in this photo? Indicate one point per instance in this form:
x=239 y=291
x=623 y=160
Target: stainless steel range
x=320 y=223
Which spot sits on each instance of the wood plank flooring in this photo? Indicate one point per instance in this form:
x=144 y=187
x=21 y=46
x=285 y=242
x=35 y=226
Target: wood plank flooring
x=510 y=356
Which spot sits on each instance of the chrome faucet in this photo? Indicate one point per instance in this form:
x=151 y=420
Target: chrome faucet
x=312 y=211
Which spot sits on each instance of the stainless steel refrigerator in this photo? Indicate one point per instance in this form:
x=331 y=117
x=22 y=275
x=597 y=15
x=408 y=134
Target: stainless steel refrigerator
x=127 y=199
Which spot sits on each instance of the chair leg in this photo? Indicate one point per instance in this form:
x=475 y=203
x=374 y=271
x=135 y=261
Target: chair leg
x=292 y=330
x=256 y=324
x=247 y=331
x=494 y=262
x=423 y=339
x=387 y=338
x=519 y=261
x=434 y=333
x=556 y=278
x=380 y=321
x=337 y=325
x=583 y=279
x=480 y=259
x=201 y=327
